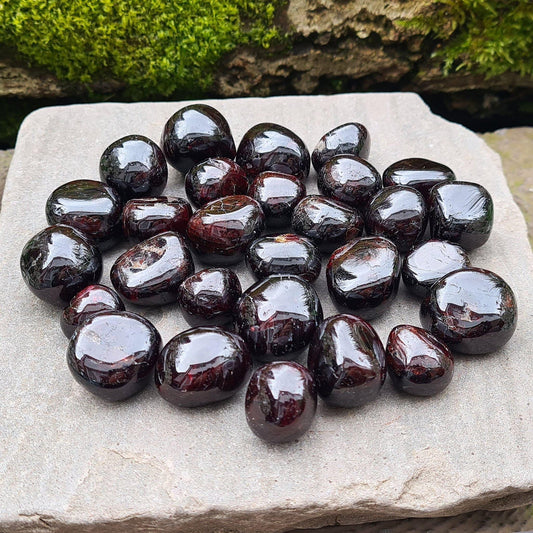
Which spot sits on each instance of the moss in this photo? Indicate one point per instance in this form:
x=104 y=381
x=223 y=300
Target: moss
x=156 y=47
x=490 y=37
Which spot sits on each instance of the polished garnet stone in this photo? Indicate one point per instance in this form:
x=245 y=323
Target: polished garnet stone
x=134 y=166
x=150 y=272
x=89 y=301
x=349 y=179
x=196 y=133
x=348 y=139
x=363 y=276
x=328 y=223
x=145 y=217
x=280 y=401
x=277 y=194
x=418 y=363
x=473 y=311
x=421 y=174
x=428 y=262
x=222 y=230
x=112 y=354
x=58 y=262
x=201 y=366
x=210 y=297
x=273 y=147
x=284 y=254
x=88 y=206
x=461 y=212
x=398 y=213
x=347 y=360
x=214 y=178
x=278 y=316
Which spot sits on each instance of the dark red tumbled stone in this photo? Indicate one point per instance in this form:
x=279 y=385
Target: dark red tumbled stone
x=421 y=174
x=280 y=401
x=277 y=194
x=58 y=262
x=268 y=146
x=135 y=167
x=418 y=363
x=363 y=276
x=112 y=354
x=326 y=222
x=210 y=296
x=145 y=217
x=347 y=360
x=399 y=214
x=221 y=231
x=201 y=366
x=278 y=316
x=348 y=139
x=472 y=311
x=214 y=178
x=195 y=133
x=89 y=301
x=151 y=272
x=349 y=179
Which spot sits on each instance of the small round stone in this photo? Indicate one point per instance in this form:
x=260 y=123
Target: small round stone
x=472 y=311
x=280 y=402
x=201 y=366
x=89 y=301
x=112 y=354
x=347 y=360
x=210 y=296
x=284 y=254
x=134 y=166
x=418 y=363
x=58 y=262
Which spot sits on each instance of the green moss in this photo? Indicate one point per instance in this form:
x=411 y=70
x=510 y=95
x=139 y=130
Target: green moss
x=491 y=37
x=157 y=47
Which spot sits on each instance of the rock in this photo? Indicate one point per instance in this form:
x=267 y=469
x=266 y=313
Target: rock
x=69 y=461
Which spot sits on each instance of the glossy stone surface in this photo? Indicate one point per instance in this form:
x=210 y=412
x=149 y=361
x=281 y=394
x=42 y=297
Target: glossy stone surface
x=135 y=167
x=112 y=354
x=89 y=301
x=473 y=311
x=269 y=146
x=88 y=206
x=221 y=231
x=417 y=362
x=347 y=360
x=348 y=139
x=363 y=276
x=150 y=272
x=284 y=254
x=278 y=316
x=145 y=217
x=349 y=179
x=421 y=174
x=428 y=262
x=277 y=194
x=399 y=214
x=280 y=401
x=210 y=297
x=214 y=178
x=461 y=212
x=326 y=222
x=58 y=262
x=195 y=133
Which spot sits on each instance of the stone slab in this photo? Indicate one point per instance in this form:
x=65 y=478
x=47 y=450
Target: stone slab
x=69 y=461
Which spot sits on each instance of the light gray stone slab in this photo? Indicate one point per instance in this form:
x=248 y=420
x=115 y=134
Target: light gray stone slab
x=69 y=461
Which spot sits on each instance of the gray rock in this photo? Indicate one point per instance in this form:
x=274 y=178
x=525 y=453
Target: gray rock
x=69 y=460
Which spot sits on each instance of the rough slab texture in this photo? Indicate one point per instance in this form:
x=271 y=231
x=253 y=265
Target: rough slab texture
x=69 y=460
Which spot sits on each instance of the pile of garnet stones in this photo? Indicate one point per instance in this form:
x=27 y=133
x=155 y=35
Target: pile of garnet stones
x=238 y=193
